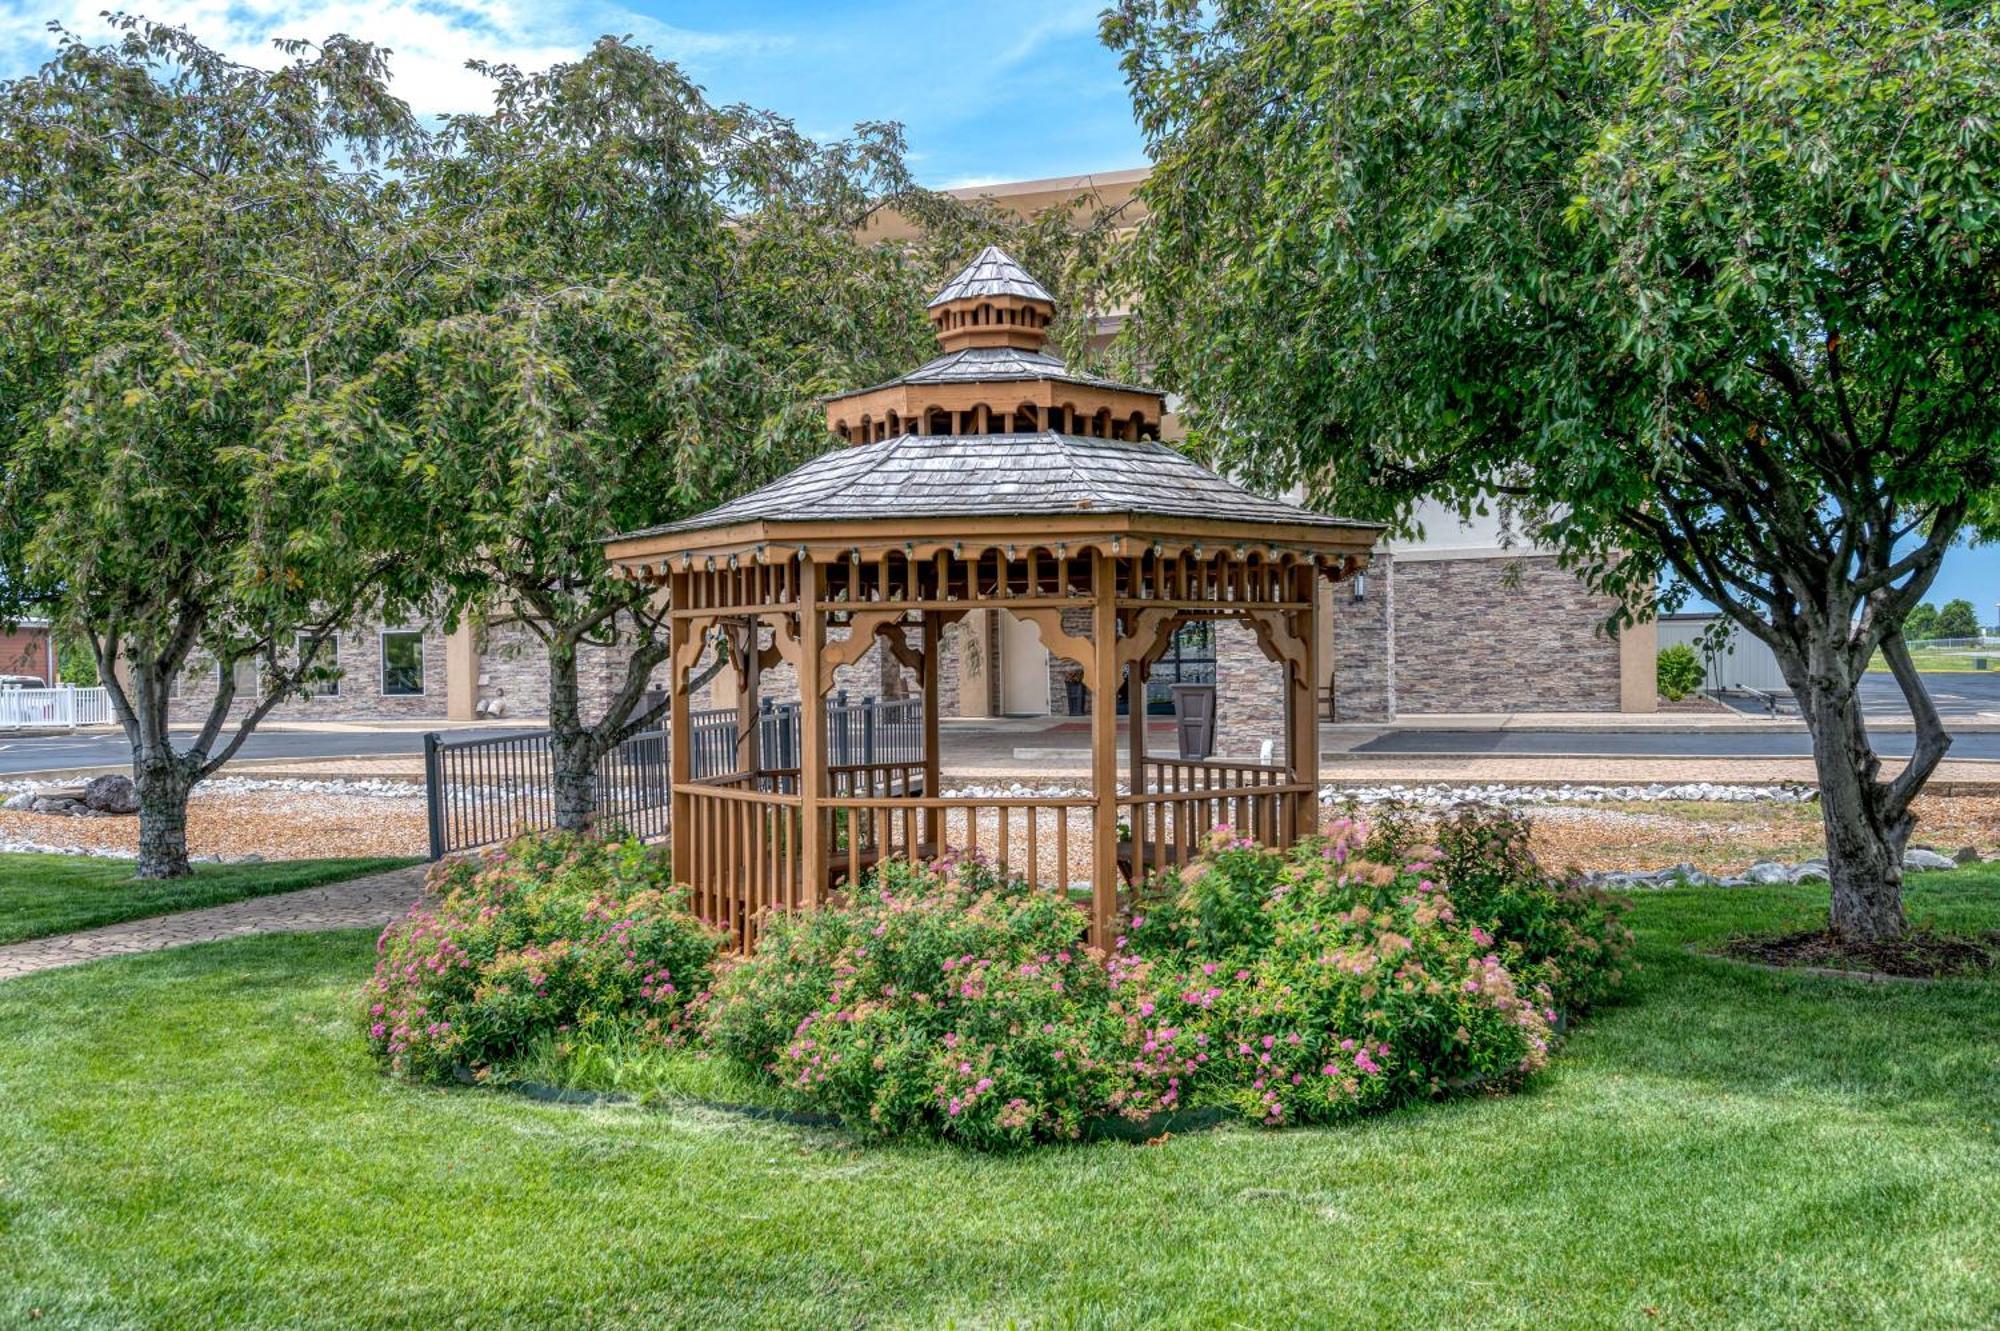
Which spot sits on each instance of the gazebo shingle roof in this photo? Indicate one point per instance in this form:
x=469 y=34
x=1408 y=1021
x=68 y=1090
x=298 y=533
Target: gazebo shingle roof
x=979 y=365
x=992 y=272
x=1002 y=475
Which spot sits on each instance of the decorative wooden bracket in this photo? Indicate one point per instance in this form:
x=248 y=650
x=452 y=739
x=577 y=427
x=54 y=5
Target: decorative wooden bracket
x=899 y=647
x=692 y=642
x=741 y=635
x=861 y=630
x=1147 y=634
x=1048 y=621
x=1278 y=640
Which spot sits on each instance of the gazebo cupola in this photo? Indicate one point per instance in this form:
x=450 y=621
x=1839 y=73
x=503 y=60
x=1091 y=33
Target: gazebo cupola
x=992 y=481
x=995 y=376
x=992 y=303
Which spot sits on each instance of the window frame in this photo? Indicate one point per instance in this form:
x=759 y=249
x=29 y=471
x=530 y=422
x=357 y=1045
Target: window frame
x=330 y=646
x=382 y=637
x=256 y=682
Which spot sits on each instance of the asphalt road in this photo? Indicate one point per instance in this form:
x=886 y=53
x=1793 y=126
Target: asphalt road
x=42 y=752
x=1959 y=695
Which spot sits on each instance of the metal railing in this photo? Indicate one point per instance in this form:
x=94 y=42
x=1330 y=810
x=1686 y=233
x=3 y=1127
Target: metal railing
x=486 y=789
x=65 y=705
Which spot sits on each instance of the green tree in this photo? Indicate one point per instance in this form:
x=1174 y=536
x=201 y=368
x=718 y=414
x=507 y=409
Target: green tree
x=179 y=249
x=1705 y=292
x=1921 y=622
x=630 y=300
x=1956 y=620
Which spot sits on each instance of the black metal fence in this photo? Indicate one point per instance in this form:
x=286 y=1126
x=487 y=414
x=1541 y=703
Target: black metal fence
x=482 y=790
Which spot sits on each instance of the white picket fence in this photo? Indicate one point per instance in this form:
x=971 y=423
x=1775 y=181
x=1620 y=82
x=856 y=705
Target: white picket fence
x=64 y=705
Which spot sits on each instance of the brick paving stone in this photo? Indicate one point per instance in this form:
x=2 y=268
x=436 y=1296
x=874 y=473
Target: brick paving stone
x=359 y=903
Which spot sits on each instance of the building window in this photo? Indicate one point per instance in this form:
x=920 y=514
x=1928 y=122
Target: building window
x=246 y=676
x=316 y=684
x=402 y=663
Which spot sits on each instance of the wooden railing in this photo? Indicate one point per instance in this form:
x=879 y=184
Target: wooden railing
x=745 y=856
x=744 y=853
x=1045 y=840
x=1182 y=801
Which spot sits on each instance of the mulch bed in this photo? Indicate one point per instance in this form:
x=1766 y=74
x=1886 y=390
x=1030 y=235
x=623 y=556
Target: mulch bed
x=1923 y=955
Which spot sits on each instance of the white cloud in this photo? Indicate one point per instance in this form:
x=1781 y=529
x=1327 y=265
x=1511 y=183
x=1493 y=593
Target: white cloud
x=1070 y=19
x=430 y=40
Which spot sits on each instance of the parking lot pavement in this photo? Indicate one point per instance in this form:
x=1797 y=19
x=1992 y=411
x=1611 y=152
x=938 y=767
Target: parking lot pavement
x=43 y=753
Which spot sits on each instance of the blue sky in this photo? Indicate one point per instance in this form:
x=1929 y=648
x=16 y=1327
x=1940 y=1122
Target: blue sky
x=987 y=92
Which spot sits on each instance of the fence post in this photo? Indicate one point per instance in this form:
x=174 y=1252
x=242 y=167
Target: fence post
x=868 y=729
x=434 y=792
x=837 y=718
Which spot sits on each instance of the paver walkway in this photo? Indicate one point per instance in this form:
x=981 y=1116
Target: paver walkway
x=358 y=903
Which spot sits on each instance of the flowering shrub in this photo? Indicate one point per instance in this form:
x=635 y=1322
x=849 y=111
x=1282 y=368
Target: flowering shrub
x=1560 y=933
x=552 y=934
x=943 y=1001
x=1327 y=983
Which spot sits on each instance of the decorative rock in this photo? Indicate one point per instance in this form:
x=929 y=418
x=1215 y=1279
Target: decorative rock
x=1810 y=871
x=1768 y=871
x=1438 y=796
x=18 y=803
x=1920 y=859
x=1966 y=855
x=111 y=794
x=43 y=804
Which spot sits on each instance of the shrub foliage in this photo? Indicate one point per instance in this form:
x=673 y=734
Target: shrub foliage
x=1296 y=986
x=1679 y=670
x=1354 y=971
x=552 y=935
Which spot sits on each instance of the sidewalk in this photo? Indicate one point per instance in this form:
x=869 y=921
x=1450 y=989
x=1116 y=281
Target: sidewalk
x=359 y=903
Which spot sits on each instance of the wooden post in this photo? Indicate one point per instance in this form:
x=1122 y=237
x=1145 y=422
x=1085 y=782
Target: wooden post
x=932 y=642
x=812 y=737
x=1135 y=722
x=680 y=738
x=748 y=756
x=1303 y=687
x=1103 y=676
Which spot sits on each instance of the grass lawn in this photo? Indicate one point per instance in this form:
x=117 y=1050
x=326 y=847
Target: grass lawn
x=197 y=1137
x=56 y=894
x=1942 y=659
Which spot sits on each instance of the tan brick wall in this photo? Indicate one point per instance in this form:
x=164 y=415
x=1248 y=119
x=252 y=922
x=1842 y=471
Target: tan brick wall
x=1500 y=634
x=1249 y=695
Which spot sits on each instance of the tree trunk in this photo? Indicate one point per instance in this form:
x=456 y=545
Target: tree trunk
x=575 y=781
x=163 y=798
x=572 y=748
x=1864 y=840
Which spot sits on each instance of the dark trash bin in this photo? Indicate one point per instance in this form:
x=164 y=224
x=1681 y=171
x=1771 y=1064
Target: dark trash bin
x=1194 y=719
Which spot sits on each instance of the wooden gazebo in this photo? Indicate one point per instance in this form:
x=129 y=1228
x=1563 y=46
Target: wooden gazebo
x=992 y=478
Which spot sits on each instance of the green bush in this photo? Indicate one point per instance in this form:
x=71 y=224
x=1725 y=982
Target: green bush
x=1680 y=671
x=942 y=1002
x=1288 y=987
x=552 y=936
x=1327 y=983
x=1554 y=931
